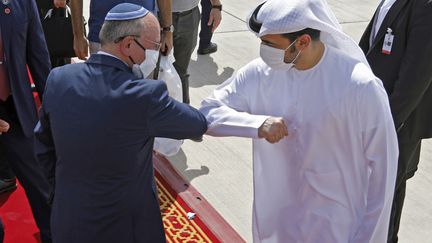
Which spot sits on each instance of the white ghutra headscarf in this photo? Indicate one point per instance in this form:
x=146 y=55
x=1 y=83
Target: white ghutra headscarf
x=288 y=16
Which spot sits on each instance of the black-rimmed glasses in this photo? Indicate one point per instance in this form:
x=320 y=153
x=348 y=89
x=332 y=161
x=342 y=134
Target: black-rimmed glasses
x=157 y=45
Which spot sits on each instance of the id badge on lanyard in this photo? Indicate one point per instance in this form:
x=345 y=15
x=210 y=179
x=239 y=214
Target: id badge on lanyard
x=388 y=42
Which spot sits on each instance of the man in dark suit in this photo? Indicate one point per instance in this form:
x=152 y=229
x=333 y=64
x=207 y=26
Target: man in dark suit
x=398 y=46
x=22 y=44
x=96 y=131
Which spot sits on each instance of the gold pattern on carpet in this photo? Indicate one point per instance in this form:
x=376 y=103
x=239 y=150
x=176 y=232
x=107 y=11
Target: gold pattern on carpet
x=178 y=228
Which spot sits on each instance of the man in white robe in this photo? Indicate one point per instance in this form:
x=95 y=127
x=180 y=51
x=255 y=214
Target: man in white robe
x=324 y=144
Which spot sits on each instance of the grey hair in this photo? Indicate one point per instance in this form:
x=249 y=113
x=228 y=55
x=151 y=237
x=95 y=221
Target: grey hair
x=114 y=30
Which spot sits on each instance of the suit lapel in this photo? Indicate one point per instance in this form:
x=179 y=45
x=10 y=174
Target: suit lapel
x=365 y=39
x=389 y=18
x=5 y=25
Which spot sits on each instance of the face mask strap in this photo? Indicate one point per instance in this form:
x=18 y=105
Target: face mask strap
x=298 y=54
x=141 y=46
x=132 y=60
x=295 y=58
x=291 y=45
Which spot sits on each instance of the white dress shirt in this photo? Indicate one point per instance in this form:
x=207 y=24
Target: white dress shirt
x=382 y=13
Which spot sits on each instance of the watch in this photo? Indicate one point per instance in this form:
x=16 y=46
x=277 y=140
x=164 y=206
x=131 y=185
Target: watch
x=217 y=7
x=168 y=29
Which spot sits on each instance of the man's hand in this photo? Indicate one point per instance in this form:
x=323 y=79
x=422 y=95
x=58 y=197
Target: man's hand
x=167 y=42
x=81 y=47
x=273 y=129
x=4 y=126
x=214 y=18
x=60 y=3
x=80 y=41
x=165 y=15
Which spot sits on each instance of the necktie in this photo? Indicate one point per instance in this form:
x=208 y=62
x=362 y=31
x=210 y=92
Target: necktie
x=4 y=80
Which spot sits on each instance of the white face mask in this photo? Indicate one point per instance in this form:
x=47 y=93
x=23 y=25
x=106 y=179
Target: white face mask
x=149 y=63
x=274 y=57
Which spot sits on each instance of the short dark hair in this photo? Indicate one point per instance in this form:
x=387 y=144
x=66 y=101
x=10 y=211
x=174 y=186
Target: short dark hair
x=313 y=33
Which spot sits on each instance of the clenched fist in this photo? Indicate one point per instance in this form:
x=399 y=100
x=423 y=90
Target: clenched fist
x=273 y=129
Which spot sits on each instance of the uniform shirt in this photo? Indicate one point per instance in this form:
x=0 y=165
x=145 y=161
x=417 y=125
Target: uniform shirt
x=332 y=178
x=183 y=5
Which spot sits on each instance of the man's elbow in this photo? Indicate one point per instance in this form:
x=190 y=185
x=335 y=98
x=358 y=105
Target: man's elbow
x=202 y=124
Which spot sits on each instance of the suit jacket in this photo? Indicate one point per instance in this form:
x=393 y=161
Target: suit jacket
x=24 y=44
x=96 y=134
x=407 y=72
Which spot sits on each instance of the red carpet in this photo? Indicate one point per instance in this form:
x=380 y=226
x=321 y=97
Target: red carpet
x=176 y=198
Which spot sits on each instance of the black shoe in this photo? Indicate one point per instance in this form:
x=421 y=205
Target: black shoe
x=210 y=49
x=7 y=185
x=197 y=139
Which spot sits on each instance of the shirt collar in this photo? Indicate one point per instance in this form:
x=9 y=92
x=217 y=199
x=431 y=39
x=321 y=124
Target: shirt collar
x=111 y=55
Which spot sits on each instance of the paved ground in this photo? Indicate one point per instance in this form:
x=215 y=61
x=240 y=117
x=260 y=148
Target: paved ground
x=221 y=168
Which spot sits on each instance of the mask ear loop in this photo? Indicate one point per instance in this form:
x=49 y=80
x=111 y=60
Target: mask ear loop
x=141 y=46
x=295 y=58
x=290 y=45
x=132 y=60
x=298 y=54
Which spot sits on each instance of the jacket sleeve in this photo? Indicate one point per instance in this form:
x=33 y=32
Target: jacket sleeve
x=38 y=59
x=415 y=75
x=44 y=144
x=380 y=149
x=171 y=119
x=227 y=109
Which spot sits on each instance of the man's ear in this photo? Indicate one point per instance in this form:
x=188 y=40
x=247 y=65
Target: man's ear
x=125 y=46
x=303 y=41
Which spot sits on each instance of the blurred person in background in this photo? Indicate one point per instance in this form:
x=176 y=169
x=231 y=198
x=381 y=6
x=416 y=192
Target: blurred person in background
x=43 y=7
x=98 y=11
x=210 y=19
x=22 y=46
x=186 y=18
x=398 y=45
